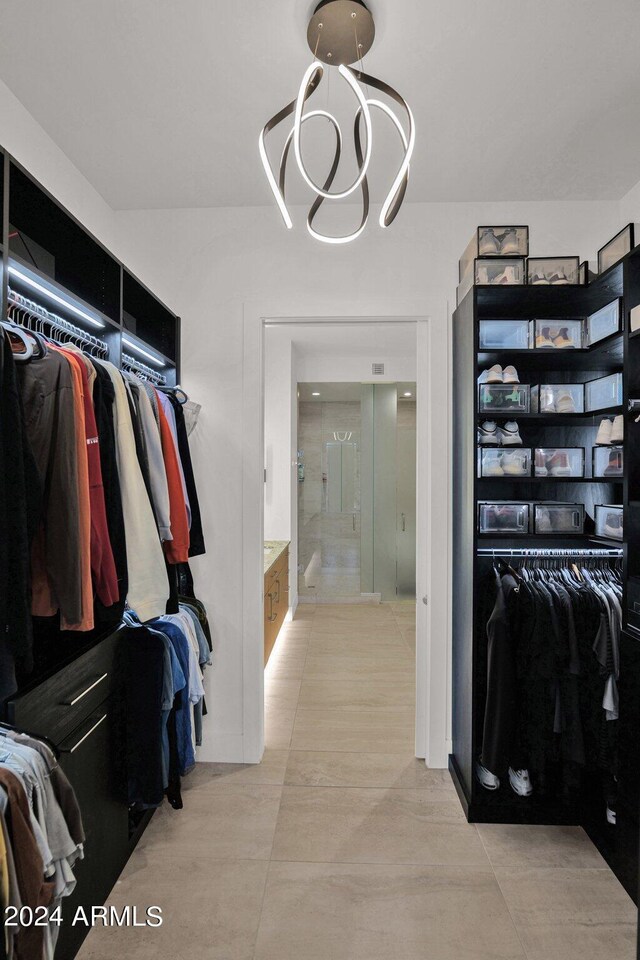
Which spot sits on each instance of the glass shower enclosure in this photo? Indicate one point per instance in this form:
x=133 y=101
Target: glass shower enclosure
x=356 y=492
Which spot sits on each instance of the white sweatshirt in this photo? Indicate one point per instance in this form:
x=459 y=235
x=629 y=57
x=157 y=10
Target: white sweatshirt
x=148 y=581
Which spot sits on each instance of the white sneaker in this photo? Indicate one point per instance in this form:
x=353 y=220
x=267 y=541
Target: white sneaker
x=565 y=403
x=482 y=275
x=543 y=521
x=547 y=400
x=558 y=277
x=489 y=244
x=492 y=466
x=493 y=375
x=611 y=816
x=603 y=438
x=510 y=375
x=617 y=430
x=515 y=464
x=488 y=433
x=487 y=779
x=509 y=434
x=508 y=276
x=509 y=245
x=541 y=464
x=520 y=782
x=538 y=278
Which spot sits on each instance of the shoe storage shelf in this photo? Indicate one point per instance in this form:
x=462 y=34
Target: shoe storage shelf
x=537 y=459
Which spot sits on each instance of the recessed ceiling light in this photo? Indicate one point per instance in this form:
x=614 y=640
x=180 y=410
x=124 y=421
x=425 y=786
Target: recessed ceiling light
x=315 y=394
x=408 y=394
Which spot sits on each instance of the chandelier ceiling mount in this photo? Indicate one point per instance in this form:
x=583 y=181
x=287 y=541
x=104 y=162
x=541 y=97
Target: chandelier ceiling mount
x=341 y=32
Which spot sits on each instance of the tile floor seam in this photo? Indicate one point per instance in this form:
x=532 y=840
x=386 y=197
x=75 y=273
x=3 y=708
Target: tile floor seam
x=506 y=902
x=266 y=882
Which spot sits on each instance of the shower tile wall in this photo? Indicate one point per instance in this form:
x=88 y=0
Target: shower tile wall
x=329 y=525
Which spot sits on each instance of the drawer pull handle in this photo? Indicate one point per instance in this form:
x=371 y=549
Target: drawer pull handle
x=87 y=734
x=77 y=697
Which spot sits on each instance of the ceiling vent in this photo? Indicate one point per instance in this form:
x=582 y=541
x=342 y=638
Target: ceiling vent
x=377 y=369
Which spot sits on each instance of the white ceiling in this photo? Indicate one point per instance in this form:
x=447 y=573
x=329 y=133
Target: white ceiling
x=160 y=103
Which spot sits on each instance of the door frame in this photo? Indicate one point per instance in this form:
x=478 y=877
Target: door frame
x=433 y=513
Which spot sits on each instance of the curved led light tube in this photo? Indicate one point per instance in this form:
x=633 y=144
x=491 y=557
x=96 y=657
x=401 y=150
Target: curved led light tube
x=394 y=198
x=312 y=85
x=297 y=129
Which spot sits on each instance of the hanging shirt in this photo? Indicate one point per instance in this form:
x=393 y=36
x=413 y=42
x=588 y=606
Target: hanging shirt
x=177 y=549
x=46 y=386
x=102 y=562
x=148 y=582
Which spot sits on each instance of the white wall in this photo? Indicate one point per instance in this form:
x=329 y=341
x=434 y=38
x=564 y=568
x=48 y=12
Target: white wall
x=629 y=208
x=25 y=140
x=356 y=370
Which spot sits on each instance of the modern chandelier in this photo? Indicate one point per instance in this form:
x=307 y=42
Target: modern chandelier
x=340 y=33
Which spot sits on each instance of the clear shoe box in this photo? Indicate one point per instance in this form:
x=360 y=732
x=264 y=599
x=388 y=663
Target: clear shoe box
x=552 y=271
x=565 y=518
x=605 y=322
x=608 y=461
x=557 y=398
x=609 y=521
x=603 y=393
x=503 y=398
x=558 y=335
x=494 y=242
x=504 y=518
x=499 y=272
x=559 y=462
x=510 y=462
x=618 y=247
x=505 y=334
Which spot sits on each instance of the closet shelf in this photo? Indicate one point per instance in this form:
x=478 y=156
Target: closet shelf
x=552 y=419
x=555 y=480
x=605 y=355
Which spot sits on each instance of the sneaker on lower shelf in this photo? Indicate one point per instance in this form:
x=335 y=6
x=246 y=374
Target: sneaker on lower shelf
x=538 y=278
x=510 y=375
x=520 y=782
x=565 y=403
x=611 y=816
x=492 y=464
x=515 y=464
x=489 y=434
x=544 y=339
x=563 y=340
x=614 y=467
x=485 y=778
x=541 y=464
x=543 y=521
x=603 y=438
x=617 y=429
x=547 y=400
x=510 y=434
x=559 y=465
x=613 y=526
x=558 y=277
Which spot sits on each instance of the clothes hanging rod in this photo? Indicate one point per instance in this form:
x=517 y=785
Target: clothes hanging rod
x=41 y=315
x=135 y=366
x=551 y=552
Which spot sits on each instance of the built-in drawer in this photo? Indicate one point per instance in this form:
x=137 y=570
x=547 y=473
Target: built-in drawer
x=59 y=704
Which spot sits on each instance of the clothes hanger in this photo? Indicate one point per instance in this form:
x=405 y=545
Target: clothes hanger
x=21 y=344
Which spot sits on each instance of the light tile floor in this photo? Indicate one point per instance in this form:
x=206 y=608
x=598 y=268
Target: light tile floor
x=342 y=846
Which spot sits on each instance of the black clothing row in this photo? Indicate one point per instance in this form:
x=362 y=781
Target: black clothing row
x=552 y=670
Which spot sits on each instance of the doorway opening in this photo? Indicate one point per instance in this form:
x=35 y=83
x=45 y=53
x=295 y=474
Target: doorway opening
x=356 y=492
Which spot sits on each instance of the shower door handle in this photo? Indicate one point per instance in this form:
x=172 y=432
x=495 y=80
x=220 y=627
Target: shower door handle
x=404 y=522
x=354 y=522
